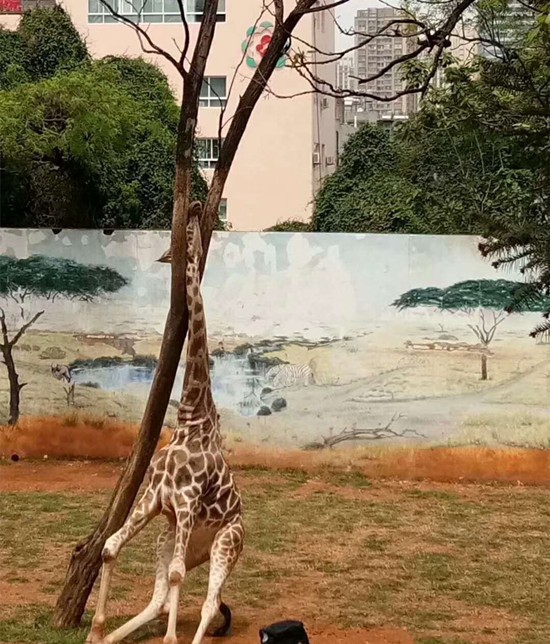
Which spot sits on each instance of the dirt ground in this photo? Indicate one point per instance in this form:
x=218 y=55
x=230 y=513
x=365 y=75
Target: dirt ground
x=82 y=476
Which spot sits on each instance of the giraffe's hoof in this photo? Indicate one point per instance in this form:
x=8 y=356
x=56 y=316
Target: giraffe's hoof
x=95 y=636
x=170 y=640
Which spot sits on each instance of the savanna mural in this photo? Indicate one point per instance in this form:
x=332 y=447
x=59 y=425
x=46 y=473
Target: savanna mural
x=316 y=341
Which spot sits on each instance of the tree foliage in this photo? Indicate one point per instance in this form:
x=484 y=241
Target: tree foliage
x=471 y=161
x=52 y=277
x=467 y=296
x=45 y=43
x=367 y=192
x=84 y=144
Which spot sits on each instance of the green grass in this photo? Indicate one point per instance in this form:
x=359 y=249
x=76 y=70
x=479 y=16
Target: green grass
x=424 y=559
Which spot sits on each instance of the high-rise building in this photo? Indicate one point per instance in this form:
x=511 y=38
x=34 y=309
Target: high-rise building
x=374 y=56
x=290 y=144
x=345 y=72
x=507 y=27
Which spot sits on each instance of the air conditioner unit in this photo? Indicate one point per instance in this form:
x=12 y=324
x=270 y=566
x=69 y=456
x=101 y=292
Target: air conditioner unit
x=316 y=158
x=329 y=160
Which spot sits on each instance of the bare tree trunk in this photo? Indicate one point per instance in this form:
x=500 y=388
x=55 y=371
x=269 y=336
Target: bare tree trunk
x=7 y=353
x=15 y=387
x=86 y=558
x=484 y=366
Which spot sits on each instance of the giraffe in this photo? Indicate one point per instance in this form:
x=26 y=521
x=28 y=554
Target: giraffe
x=189 y=483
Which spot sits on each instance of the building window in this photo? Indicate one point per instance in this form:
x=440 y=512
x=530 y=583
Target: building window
x=195 y=10
x=148 y=11
x=209 y=152
x=213 y=92
x=223 y=211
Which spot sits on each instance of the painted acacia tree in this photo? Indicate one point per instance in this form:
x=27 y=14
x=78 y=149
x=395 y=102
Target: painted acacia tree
x=45 y=279
x=491 y=300
x=190 y=62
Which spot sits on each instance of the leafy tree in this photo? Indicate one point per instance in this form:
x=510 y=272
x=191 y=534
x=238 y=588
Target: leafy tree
x=12 y=53
x=91 y=148
x=44 y=44
x=44 y=278
x=367 y=192
x=290 y=226
x=492 y=300
x=51 y=43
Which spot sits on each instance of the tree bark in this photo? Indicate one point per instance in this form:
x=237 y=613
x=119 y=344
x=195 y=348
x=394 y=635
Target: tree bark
x=15 y=387
x=86 y=560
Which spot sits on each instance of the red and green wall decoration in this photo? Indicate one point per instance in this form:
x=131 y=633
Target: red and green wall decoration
x=256 y=44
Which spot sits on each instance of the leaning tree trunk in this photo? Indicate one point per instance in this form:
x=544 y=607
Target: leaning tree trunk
x=86 y=558
x=15 y=387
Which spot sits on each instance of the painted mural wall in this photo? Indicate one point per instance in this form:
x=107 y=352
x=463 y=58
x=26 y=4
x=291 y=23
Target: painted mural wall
x=315 y=340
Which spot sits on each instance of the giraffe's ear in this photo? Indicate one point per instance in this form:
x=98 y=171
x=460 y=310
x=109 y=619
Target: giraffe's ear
x=166 y=257
x=195 y=209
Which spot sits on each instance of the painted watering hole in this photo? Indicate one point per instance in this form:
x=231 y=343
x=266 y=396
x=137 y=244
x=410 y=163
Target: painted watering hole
x=237 y=382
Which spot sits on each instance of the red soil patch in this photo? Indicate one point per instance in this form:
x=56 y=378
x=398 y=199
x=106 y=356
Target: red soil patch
x=76 y=437
x=72 y=436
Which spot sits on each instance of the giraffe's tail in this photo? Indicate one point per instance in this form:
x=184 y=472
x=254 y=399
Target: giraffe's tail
x=225 y=628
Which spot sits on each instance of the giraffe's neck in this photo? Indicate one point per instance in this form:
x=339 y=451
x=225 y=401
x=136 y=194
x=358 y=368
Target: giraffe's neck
x=197 y=412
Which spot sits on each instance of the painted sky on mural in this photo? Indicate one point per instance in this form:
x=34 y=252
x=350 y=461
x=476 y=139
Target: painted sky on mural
x=260 y=284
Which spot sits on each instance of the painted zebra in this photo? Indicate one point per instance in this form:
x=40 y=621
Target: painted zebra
x=287 y=375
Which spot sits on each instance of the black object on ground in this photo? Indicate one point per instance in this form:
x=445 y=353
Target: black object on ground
x=286 y=632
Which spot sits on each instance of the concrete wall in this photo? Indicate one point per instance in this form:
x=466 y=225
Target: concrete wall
x=319 y=303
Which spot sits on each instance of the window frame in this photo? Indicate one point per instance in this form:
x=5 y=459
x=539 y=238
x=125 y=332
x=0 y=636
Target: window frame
x=209 y=162
x=103 y=16
x=222 y=212
x=213 y=101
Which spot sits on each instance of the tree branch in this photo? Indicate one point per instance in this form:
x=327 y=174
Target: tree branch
x=142 y=34
x=22 y=330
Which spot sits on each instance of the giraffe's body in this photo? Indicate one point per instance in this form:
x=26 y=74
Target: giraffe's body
x=190 y=484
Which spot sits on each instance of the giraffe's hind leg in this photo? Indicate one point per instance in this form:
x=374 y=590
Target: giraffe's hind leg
x=165 y=549
x=145 y=510
x=225 y=551
x=225 y=628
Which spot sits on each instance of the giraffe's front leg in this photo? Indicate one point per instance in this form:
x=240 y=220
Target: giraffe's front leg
x=97 y=632
x=145 y=510
x=185 y=517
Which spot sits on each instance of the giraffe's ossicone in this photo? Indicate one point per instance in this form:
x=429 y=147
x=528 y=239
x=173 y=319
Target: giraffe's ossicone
x=191 y=485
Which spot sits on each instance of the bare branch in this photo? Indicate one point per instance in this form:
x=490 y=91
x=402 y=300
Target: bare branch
x=143 y=35
x=22 y=330
x=354 y=434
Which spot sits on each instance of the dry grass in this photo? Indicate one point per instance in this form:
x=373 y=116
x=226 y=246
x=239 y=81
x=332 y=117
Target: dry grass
x=82 y=436
x=519 y=429
x=73 y=435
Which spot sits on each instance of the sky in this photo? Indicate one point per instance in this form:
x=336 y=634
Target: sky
x=346 y=13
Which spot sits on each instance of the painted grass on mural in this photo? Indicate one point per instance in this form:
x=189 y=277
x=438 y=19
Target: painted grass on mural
x=441 y=562
x=430 y=395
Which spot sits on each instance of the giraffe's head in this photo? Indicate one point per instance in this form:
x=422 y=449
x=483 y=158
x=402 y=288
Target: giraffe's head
x=195 y=210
